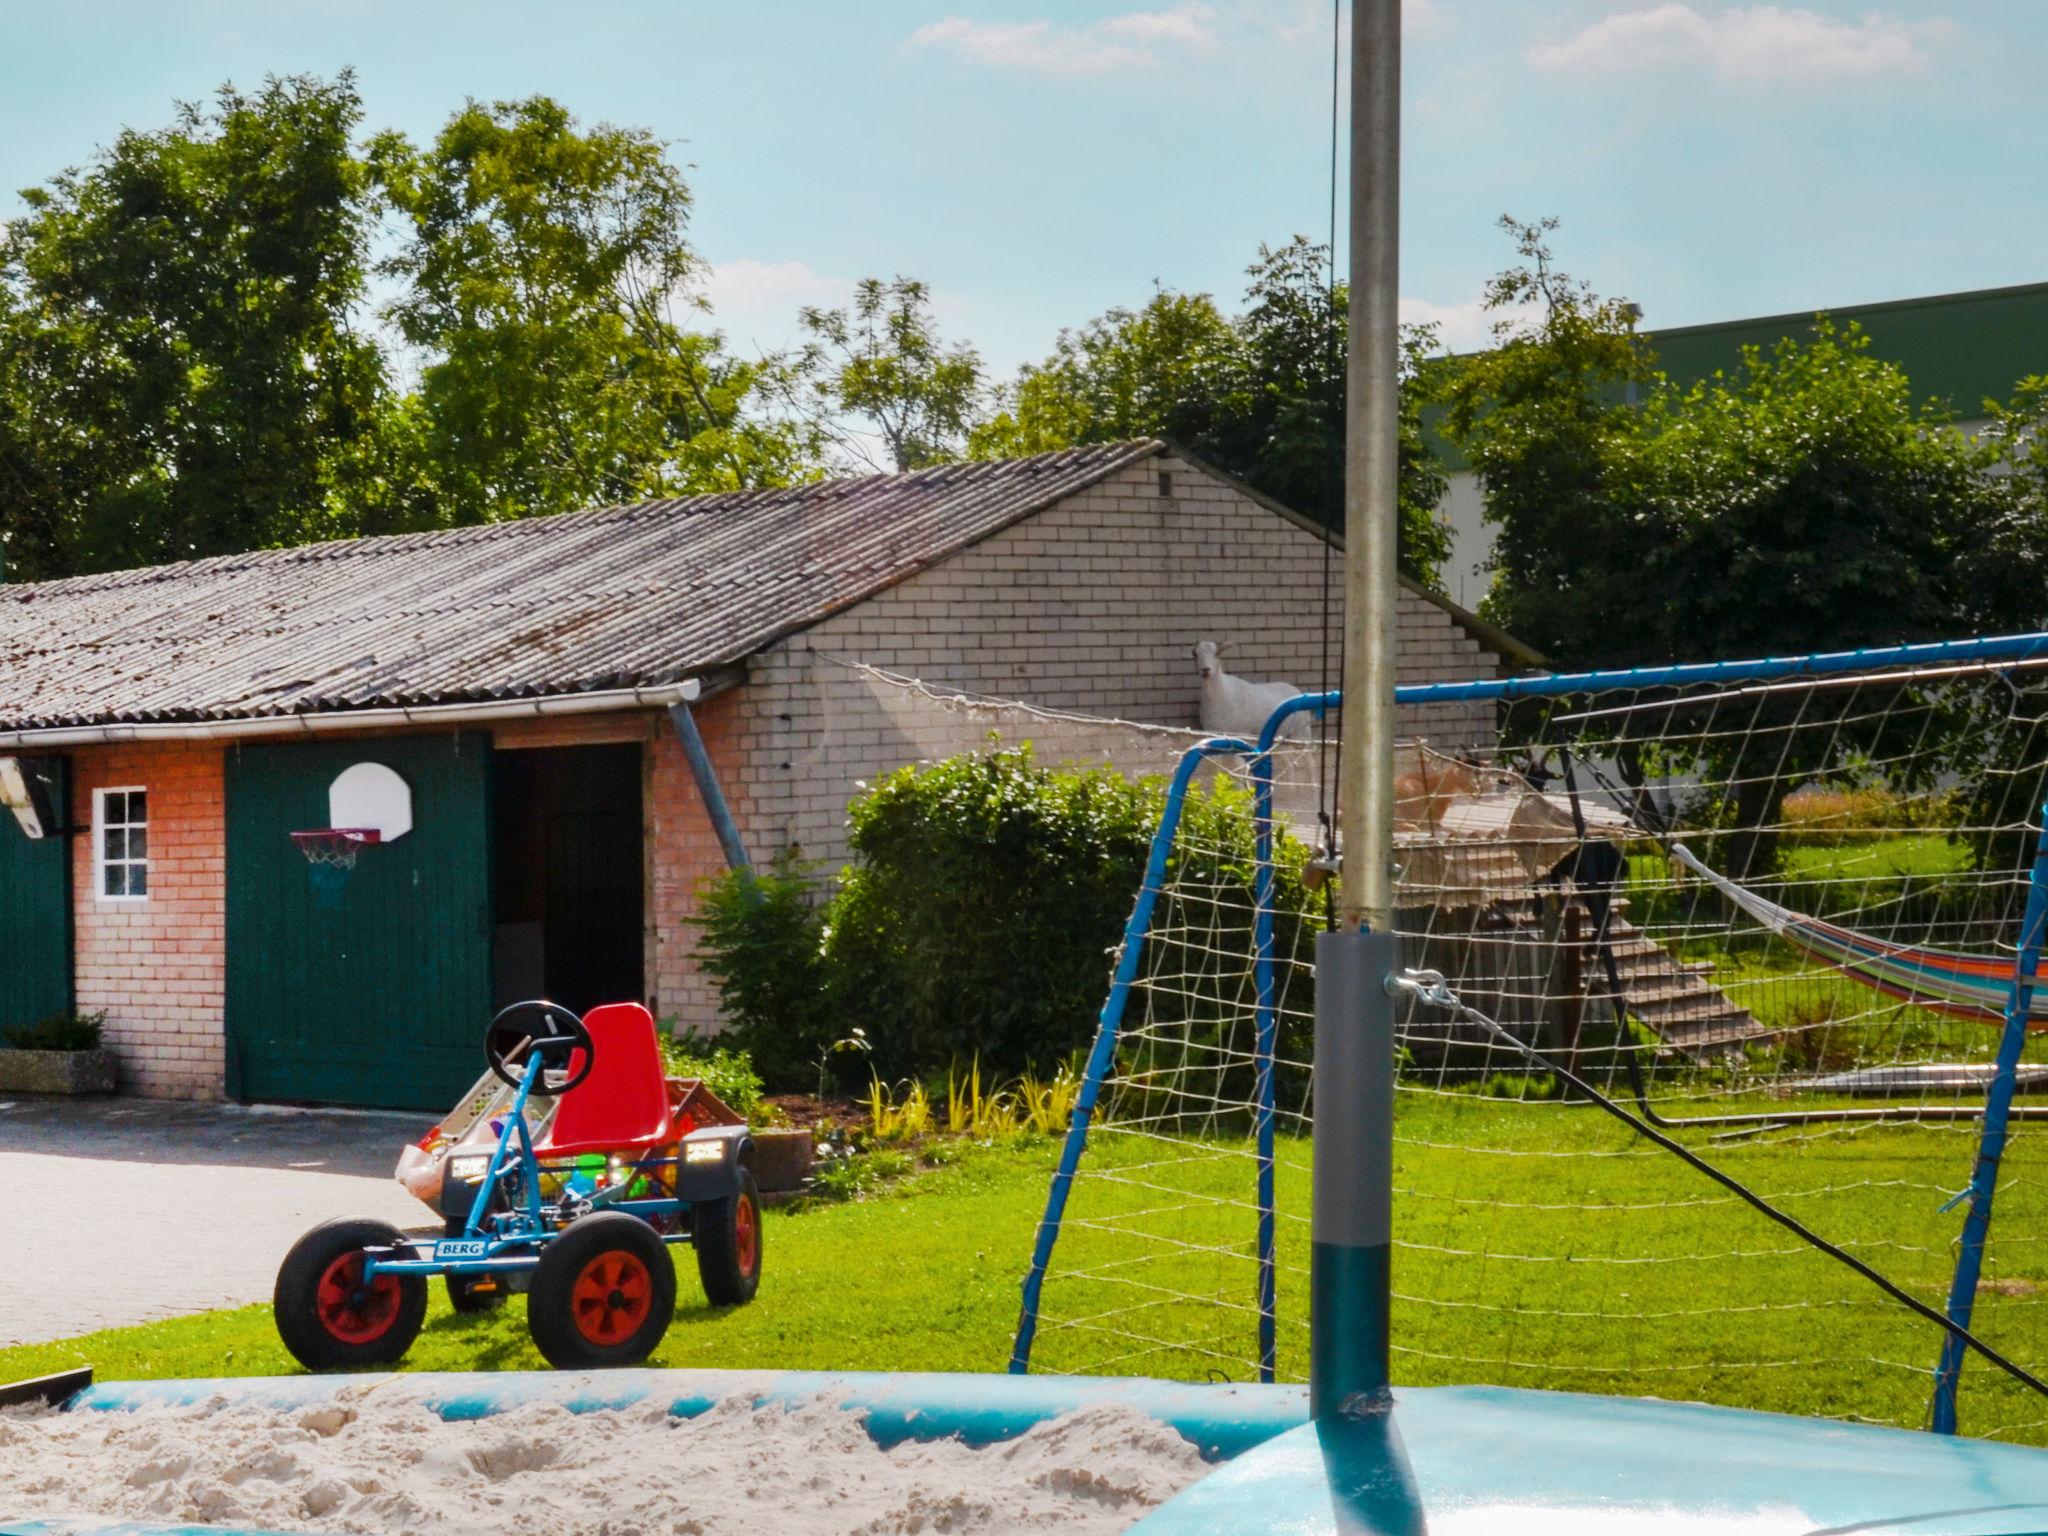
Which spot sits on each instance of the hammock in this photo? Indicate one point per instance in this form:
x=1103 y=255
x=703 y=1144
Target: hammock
x=1944 y=980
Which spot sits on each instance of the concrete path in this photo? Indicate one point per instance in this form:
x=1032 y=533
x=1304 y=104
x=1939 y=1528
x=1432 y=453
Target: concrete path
x=116 y=1211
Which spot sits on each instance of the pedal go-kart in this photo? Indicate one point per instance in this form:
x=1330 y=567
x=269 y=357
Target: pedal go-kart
x=567 y=1174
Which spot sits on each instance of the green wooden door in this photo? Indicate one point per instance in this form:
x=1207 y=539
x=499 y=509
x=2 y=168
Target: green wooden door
x=378 y=993
x=35 y=911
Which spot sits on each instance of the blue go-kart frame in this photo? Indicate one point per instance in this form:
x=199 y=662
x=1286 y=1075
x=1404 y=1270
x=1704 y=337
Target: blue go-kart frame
x=592 y=1258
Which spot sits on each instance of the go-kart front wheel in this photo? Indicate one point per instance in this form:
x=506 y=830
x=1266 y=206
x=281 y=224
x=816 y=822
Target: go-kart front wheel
x=602 y=1294
x=328 y=1316
x=727 y=1234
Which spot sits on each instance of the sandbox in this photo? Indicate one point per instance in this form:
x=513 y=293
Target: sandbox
x=624 y=1452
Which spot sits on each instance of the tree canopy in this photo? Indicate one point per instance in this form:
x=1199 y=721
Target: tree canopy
x=191 y=361
x=182 y=370
x=547 y=286
x=1259 y=395
x=878 y=373
x=1802 y=500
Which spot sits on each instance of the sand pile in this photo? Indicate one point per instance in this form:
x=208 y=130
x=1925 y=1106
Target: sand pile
x=378 y=1461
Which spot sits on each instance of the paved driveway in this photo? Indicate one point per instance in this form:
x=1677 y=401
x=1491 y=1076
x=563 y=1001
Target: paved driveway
x=117 y=1211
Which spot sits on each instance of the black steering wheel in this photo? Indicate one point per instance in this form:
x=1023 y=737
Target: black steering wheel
x=543 y=1029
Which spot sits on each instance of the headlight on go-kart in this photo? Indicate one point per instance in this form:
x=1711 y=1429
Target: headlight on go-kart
x=470 y=1170
x=704 y=1151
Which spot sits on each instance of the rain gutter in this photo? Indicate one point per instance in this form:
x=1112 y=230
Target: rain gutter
x=324 y=722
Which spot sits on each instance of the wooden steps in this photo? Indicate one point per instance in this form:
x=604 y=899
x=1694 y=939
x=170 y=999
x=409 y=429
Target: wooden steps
x=1675 y=1000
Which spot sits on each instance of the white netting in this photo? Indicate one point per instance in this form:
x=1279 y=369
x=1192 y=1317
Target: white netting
x=1844 y=842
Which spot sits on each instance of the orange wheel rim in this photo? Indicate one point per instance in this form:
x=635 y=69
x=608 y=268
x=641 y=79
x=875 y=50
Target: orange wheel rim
x=746 y=1235
x=351 y=1311
x=611 y=1298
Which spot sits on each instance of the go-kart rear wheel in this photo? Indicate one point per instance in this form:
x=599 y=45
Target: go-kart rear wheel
x=328 y=1316
x=602 y=1294
x=727 y=1235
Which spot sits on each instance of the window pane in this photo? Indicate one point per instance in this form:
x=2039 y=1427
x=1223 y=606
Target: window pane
x=115 y=881
x=138 y=843
x=138 y=879
x=138 y=806
x=117 y=808
x=116 y=844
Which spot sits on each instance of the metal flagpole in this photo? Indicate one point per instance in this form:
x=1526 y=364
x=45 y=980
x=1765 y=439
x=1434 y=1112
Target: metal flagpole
x=1354 y=1028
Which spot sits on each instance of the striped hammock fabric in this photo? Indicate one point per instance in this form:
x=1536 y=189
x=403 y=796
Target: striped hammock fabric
x=1945 y=980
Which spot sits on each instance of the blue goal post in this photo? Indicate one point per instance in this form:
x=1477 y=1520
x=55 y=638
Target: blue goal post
x=1892 y=666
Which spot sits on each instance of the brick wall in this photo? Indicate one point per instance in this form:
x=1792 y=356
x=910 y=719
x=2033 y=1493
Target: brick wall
x=158 y=967
x=683 y=852
x=1092 y=606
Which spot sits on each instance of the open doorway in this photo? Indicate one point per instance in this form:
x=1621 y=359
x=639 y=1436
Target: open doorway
x=567 y=883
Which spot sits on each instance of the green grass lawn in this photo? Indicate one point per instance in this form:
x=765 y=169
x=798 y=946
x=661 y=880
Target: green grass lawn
x=1542 y=1245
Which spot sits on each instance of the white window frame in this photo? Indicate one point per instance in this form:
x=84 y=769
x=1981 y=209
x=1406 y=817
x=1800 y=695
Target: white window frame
x=99 y=847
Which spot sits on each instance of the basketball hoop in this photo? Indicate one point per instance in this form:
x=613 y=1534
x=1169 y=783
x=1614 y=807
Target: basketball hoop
x=334 y=847
x=330 y=856
x=368 y=804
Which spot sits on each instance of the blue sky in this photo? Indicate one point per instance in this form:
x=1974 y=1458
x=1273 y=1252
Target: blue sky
x=1039 y=160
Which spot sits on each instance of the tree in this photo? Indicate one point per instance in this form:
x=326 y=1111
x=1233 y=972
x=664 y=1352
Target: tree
x=1540 y=418
x=880 y=371
x=179 y=370
x=1157 y=371
x=546 y=275
x=1260 y=396
x=1807 y=502
x=1803 y=501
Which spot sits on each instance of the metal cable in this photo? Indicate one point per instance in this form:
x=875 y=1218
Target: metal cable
x=1431 y=988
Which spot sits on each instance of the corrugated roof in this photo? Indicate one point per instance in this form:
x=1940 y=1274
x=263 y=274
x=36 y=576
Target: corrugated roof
x=627 y=596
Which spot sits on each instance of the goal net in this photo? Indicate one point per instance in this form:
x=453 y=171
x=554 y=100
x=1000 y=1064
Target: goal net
x=1772 y=907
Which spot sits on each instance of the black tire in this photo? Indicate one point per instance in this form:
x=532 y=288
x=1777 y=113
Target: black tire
x=602 y=1294
x=332 y=1324
x=463 y=1293
x=466 y=1299
x=727 y=1236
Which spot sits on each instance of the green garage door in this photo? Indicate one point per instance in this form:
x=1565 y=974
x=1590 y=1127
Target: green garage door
x=35 y=911
x=376 y=993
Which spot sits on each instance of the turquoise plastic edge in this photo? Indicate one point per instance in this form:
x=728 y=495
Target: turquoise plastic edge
x=1221 y=1420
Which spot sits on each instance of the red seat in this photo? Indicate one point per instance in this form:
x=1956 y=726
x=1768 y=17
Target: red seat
x=623 y=1104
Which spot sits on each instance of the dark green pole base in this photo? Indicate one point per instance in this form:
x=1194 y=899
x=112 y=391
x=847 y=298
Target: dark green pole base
x=1348 y=1346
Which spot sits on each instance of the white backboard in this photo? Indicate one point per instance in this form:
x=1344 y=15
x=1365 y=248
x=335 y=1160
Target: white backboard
x=372 y=798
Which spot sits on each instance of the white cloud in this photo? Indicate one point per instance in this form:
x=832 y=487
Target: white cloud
x=747 y=284
x=1296 y=21
x=1133 y=40
x=756 y=302
x=1420 y=18
x=1762 y=42
x=1460 y=327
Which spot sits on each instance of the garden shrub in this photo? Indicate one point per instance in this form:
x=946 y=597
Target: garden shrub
x=59 y=1032
x=761 y=946
x=727 y=1073
x=978 y=920
x=979 y=914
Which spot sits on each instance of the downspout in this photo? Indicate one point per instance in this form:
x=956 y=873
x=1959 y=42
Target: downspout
x=708 y=789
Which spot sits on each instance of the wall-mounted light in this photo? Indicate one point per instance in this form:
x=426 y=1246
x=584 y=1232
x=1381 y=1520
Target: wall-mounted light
x=29 y=790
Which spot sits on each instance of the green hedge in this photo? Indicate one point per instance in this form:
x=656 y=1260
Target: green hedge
x=978 y=919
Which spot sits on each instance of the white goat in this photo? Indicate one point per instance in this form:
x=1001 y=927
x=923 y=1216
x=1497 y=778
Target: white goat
x=1233 y=706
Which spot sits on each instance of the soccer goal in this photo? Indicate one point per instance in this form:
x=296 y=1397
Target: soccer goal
x=1774 y=909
